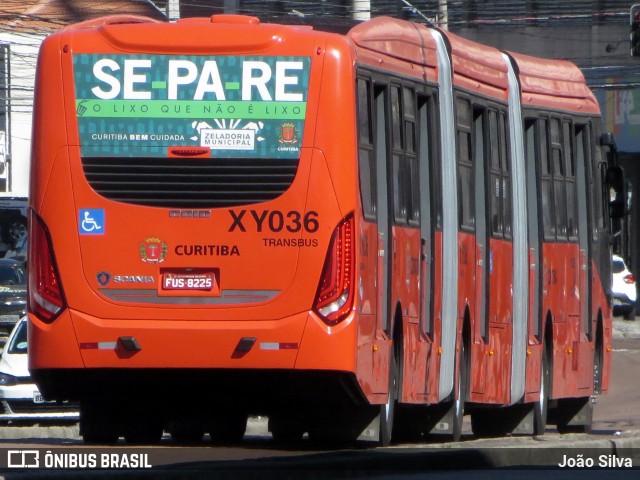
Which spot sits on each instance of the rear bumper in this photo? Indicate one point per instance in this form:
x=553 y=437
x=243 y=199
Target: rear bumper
x=78 y=356
x=621 y=299
x=253 y=391
x=300 y=341
x=17 y=412
x=18 y=402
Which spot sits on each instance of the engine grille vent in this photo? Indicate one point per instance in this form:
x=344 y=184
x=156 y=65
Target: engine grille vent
x=189 y=183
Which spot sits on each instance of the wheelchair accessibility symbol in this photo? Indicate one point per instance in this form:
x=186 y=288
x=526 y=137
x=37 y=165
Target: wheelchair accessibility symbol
x=91 y=221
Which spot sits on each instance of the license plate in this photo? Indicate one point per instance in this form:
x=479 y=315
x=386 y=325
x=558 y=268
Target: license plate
x=38 y=398
x=201 y=281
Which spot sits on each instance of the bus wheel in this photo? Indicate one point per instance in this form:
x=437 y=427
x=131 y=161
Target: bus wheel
x=336 y=432
x=460 y=395
x=98 y=434
x=597 y=366
x=229 y=428
x=186 y=432
x=98 y=423
x=286 y=431
x=482 y=424
x=388 y=409
x=144 y=433
x=630 y=314
x=540 y=408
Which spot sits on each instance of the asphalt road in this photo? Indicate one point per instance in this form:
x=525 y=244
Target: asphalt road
x=619 y=410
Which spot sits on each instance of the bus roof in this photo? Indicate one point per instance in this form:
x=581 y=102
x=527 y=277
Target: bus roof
x=400 y=39
x=187 y=34
x=557 y=84
x=397 y=45
x=474 y=63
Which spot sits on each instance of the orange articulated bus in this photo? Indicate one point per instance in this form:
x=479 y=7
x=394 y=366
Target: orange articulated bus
x=363 y=235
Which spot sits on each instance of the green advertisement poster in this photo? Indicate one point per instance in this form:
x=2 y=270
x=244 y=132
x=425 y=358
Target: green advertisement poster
x=236 y=106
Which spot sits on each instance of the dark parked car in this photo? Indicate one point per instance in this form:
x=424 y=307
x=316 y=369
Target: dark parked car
x=19 y=252
x=13 y=295
x=13 y=219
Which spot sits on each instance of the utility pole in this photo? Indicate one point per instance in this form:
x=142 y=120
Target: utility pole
x=634 y=25
x=361 y=10
x=173 y=10
x=231 y=6
x=443 y=15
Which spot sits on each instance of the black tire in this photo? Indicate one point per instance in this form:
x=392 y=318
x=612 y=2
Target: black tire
x=410 y=423
x=99 y=436
x=186 y=432
x=486 y=424
x=460 y=396
x=228 y=429
x=597 y=368
x=146 y=432
x=339 y=431
x=285 y=431
x=541 y=407
x=630 y=314
x=387 y=411
x=99 y=423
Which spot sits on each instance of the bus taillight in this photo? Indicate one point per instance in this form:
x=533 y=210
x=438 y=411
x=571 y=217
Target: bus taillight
x=46 y=299
x=334 y=299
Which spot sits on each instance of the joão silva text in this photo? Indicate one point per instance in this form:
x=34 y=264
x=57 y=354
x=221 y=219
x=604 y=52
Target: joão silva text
x=604 y=461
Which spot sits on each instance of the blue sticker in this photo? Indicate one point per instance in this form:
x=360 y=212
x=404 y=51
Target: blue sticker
x=91 y=221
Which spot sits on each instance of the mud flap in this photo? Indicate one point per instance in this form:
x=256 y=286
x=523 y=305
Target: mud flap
x=573 y=412
x=371 y=432
x=526 y=424
x=442 y=421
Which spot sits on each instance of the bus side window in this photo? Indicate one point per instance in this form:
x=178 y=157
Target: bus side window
x=465 y=165
x=404 y=168
x=436 y=160
x=559 y=188
x=546 y=185
x=495 y=187
x=597 y=177
x=570 y=181
x=499 y=182
x=411 y=152
x=366 y=154
x=398 y=170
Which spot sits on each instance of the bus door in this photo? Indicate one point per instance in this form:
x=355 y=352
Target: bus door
x=501 y=266
x=535 y=136
x=582 y=159
x=475 y=253
x=384 y=224
x=483 y=258
x=384 y=240
x=430 y=220
x=578 y=237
